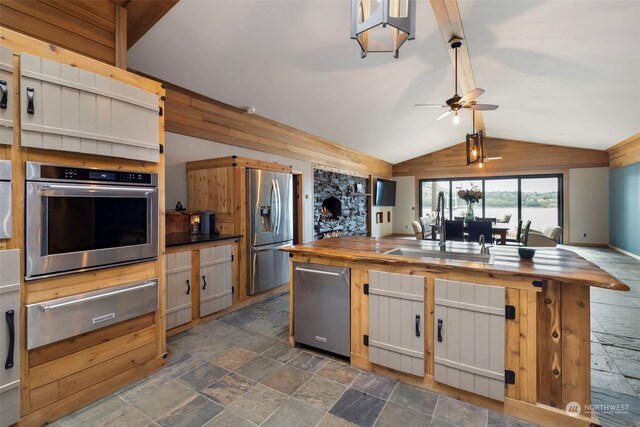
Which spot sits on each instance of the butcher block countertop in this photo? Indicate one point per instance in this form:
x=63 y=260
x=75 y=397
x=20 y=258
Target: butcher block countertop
x=549 y=263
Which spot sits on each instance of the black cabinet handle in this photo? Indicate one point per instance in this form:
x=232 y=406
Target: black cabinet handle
x=188 y=287
x=30 y=95
x=12 y=339
x=204 y=279
x=417 y=325
x=3 y=88
x=439 y=330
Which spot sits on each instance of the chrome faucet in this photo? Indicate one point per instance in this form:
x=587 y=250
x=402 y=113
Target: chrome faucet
x=440 y=222
x=483 y=249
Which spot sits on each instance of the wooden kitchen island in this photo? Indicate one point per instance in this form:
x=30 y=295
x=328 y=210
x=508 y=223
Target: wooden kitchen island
x=511 y=335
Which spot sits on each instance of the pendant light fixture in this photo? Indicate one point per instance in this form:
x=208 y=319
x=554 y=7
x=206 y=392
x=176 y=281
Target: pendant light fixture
x=382 y=25
x=475 y=145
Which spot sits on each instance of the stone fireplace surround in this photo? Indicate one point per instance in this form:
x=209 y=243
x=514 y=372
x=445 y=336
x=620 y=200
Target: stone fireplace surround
x=339 y=209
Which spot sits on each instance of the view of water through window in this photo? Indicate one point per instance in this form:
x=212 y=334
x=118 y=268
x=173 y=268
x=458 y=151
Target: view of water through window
x=508 y=199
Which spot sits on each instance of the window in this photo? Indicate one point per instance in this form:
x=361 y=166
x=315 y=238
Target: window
x=540 y=202
x=429 y=197
x=529 y=197
x=500 y=199
x=460 y=206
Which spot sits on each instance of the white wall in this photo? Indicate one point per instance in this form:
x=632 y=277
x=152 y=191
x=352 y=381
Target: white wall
x=405 y=208
x=181 y=149
x=385 y=228
x=589 y=205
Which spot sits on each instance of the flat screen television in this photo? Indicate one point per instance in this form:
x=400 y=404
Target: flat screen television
x=385 y=194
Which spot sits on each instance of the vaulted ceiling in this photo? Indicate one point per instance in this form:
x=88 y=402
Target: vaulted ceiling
x=563 y=72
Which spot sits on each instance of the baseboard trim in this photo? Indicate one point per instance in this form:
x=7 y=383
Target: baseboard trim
x=631 y=254
x=590 y=245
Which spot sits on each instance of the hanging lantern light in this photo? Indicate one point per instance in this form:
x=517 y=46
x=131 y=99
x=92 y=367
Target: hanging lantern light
x=475 y=145
x=382 y=25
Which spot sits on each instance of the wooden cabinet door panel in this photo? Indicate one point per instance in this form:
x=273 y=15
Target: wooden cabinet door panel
x=6 y=114
x=215 y=279
x=84 y=112
x=469 y=332
x=396 y=321
x=10 y=325
x=179 y=289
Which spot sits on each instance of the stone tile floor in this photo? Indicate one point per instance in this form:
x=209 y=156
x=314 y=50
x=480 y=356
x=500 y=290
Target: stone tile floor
x=239 y=371
x=615 y=338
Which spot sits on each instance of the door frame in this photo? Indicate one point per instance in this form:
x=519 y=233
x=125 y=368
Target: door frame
x=298 y=214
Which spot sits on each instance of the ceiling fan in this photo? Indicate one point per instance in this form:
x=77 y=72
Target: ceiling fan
x=457 y=102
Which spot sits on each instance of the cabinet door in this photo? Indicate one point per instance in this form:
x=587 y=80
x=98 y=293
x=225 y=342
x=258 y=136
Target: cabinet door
x=70 y=109
x=9 y=337
x=6 y=95
x=215 y=279
x=179 y=288
x=469 y=326
x=396 y=321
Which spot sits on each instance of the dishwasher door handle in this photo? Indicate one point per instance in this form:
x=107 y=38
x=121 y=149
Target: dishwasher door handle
x=328 y=273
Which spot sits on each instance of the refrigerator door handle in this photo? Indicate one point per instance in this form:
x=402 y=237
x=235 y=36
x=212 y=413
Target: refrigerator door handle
x=272 y=205
x=279 y=206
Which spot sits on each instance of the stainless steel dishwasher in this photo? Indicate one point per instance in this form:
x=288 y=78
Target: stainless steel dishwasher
x=321 y=309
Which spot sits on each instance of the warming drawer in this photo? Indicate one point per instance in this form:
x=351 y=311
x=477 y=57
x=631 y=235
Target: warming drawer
x=55 y=320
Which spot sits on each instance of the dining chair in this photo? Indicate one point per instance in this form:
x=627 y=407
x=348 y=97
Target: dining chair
x=478 y=228
x=516 y=241
x=458 y=218
x=524 y=239
x=493 y=220
x=417 y=230
x=454 y=230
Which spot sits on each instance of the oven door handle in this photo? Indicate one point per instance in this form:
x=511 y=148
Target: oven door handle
x=96 y=189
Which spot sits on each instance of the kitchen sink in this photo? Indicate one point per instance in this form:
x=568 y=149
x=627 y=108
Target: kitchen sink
x=450 y=255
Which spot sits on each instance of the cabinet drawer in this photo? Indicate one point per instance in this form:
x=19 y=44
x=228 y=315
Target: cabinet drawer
x=55 y=320
x=9 y=334
x=9 y=404
x=10 y=267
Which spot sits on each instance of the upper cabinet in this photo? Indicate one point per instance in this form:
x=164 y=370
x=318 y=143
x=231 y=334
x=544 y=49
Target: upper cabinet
x=70 y=109
x=6 y=96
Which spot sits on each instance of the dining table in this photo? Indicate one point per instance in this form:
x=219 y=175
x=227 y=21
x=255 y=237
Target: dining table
x=496 y=229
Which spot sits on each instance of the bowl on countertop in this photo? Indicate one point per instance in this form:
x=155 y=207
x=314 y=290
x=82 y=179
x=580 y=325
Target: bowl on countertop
x=526 y=253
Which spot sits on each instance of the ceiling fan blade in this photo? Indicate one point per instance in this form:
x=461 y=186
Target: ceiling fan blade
x=445 y=114
x=474 y=94
x=481 y=107
x=431 y=105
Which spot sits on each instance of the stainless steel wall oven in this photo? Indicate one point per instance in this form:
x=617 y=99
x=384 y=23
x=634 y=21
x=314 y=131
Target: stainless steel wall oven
x=81 y=218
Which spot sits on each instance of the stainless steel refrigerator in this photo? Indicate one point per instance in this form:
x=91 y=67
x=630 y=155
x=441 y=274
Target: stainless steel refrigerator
x=270 y=228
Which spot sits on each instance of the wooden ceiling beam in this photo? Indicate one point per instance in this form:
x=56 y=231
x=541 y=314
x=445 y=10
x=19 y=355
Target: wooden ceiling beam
x=450 y=23
x=144 y=14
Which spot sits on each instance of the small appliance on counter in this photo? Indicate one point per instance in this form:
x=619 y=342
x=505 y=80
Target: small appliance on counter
x=208 y=223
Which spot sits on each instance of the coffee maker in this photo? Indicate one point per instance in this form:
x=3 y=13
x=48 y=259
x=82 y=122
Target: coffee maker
x=208 y=223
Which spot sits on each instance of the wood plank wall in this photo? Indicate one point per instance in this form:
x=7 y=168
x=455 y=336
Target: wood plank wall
x=191 y=114
x=87 y=27
x=99 y=29
x=517 y=158
x=625 y=153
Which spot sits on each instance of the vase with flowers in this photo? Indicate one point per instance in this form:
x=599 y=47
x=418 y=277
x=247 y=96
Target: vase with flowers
x=470 y=196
